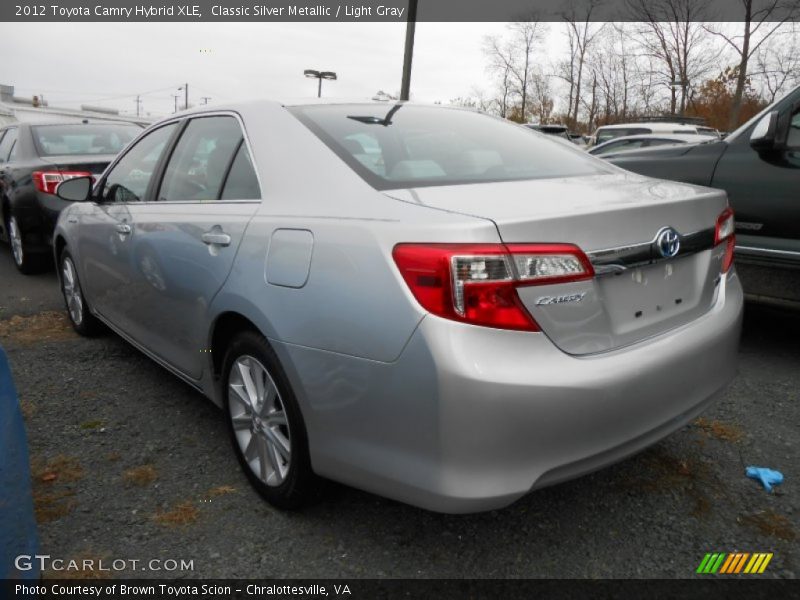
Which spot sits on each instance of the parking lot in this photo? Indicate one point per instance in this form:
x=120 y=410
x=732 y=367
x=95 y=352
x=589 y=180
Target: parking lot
x=130 y=463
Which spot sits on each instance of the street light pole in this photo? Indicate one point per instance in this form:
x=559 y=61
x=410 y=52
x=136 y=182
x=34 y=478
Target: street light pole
x=314 y=74
x=405 y=89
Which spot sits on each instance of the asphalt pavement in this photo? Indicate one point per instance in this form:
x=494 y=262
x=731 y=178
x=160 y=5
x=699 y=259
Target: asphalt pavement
x=131 y=464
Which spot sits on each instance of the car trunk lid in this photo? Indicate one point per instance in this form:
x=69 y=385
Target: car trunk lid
x=620 y=221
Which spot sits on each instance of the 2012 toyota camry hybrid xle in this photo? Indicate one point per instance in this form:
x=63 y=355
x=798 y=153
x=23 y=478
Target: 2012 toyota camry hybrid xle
x=428 y=303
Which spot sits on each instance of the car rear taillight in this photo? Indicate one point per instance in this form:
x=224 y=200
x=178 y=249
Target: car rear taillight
x=477 y=283
x=724 y=232
x=47 y=181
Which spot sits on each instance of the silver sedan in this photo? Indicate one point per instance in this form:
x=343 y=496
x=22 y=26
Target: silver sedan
x=427 y=303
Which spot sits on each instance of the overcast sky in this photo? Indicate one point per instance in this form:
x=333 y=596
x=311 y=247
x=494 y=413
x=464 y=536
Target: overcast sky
x=105 y=64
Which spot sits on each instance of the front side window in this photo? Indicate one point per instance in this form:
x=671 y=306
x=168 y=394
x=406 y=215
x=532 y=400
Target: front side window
x=129 y=179
x=201 y=159
x=402 y=146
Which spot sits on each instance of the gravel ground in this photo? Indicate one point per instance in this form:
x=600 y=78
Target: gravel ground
x=130 y=463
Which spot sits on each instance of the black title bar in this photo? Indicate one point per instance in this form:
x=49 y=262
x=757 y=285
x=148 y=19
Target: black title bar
x=387 y=11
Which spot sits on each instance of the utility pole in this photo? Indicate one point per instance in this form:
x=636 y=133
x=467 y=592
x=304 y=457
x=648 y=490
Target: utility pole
x=138 y=104
x=411 y=24
x=185 y=88
x=205 y=99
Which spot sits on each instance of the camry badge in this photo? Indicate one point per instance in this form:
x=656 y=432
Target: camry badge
x=668 y=242
x=565 y=299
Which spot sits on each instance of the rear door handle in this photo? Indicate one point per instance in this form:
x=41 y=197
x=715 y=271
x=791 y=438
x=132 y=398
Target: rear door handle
x=216 y=237
x=123 y=228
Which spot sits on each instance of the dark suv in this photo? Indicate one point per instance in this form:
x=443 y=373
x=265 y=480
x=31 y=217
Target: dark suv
x=758 y=165
x=34 y=159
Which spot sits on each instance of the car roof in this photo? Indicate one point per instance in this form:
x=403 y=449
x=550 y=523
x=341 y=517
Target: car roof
x=681 y=137
x=654 y=126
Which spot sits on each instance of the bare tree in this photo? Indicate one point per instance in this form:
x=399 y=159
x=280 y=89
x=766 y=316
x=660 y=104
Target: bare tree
x=762 y=18
x=778 y=63
x=672 y=35
x=511 y=58
x=581 y=32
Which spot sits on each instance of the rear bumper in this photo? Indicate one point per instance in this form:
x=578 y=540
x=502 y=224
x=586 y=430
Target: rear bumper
x=472 y=418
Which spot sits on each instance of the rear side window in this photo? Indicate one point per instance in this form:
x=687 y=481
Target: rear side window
x=241 y=183
x=201 y=159
x=7 y=144
x=82 y=138
x=404 y=146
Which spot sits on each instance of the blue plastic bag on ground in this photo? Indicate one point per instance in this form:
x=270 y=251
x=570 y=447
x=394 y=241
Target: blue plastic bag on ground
x=767 y=477
x=18 y=535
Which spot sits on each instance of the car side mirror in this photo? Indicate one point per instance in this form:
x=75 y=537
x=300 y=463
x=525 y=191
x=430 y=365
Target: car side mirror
x=764 y=133
x=77 y=189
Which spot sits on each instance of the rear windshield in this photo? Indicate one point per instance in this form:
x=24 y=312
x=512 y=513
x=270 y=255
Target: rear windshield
x=81 y=138
x=603 y=135
x=406 y=146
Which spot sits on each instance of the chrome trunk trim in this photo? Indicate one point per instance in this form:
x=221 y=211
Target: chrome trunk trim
x=621 y=258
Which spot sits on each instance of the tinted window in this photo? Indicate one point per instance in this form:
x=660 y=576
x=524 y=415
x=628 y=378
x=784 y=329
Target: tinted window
x=128 y=180
x=416 y=146
x=603 y=135
x=201 y=159
x=241 y=183
x=660 y=142
x=81 y=138
x=7 y=143
x=793 y=139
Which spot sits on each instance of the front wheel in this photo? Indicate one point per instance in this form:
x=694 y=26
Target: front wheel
x=265 y=424
x=82 y=320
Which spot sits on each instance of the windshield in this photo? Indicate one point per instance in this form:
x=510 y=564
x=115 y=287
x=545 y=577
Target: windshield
x=81 y=138
x=406 y=146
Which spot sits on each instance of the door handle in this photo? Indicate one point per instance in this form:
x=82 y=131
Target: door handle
x=123 y=228
x=216 y=237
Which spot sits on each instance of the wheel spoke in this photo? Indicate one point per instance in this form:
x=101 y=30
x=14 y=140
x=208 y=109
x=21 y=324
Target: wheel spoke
x=263 y=457
x=280 y=442
x=275 y=419
x=240 y=396
x=247 y=379
x=241 y=422
x=275 y=461
x=251 y=451
x=270 y=398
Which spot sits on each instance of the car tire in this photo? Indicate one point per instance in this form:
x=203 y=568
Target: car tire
x=83 y=321
x=26 y=263
x=265 y=424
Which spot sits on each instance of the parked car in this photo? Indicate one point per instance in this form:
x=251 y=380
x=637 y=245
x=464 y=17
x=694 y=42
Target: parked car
x=561 y=131
x=424 y=302
x=645 y=140
x=609 y=132
x=758 y=165
x=34 y=158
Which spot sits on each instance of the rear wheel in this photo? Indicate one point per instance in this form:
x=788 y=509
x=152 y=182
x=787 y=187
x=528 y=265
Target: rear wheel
x=78 y=311
x=26 y=263
x=265 y=424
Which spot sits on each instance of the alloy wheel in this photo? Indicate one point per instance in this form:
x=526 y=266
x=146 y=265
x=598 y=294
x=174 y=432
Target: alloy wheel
x=259 y=420
x=16 y=241
x=72 y=291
